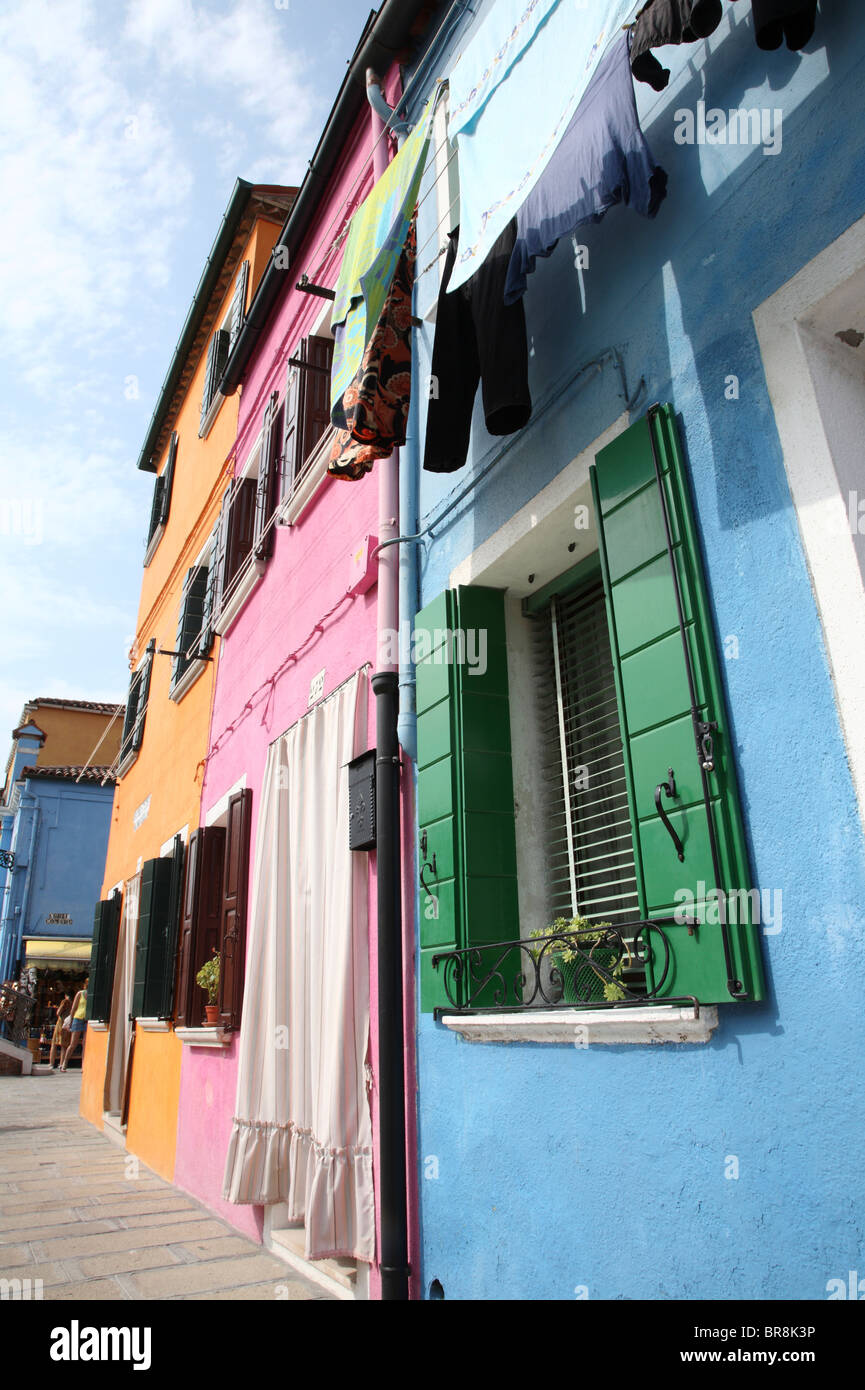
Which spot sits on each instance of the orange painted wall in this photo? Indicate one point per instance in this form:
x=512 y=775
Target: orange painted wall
x=167 y=769
x=152 y=1129
x=93 y=1076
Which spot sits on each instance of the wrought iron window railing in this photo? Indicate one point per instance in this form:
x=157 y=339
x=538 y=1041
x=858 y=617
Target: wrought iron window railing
x=597 y=968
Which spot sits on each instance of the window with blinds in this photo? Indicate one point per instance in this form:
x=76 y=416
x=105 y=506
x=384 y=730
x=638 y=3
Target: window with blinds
x=588 y=840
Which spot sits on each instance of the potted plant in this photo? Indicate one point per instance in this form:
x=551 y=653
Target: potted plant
x=208 y=980
x=586 y=970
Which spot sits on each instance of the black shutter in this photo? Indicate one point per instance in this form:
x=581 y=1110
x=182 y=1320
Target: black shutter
x=234 y=891
x=318 y=352
x=156 y=506
x=168 y=480
x=106 y=921
x=144 y=691
x=241 y=524
x=238 y=305
x=267 y=471
x=163 y=1003
x=211 y=588
x=190 y=627
x=208 y=381
x=223 y=340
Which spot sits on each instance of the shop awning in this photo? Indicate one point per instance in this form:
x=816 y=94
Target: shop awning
x=42 y=953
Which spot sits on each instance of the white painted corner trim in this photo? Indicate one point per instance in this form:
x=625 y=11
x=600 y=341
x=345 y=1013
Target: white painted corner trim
x=821 y=511
x=203 y=1037
x=583 y=1027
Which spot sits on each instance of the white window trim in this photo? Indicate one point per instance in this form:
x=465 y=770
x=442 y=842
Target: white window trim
x=203 y=1037
x=313 y=475
x=213 y=409
x=585 y=1027
x=153 y=1025
x=230 y=611
x=187 y=680
x=220 y=807
x=153 y=543
x=821 y=511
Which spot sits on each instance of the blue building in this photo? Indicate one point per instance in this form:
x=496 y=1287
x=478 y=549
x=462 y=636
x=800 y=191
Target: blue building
x=640 y=806
x=54 y=823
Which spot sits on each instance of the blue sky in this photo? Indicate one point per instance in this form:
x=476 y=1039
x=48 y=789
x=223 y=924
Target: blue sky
x=122 y=130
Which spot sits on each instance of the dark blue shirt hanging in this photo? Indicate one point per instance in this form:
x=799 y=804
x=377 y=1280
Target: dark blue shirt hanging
x=602 y=159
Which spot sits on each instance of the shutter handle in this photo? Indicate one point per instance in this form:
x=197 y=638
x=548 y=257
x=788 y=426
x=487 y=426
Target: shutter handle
x=426 y=864
x=670 y=788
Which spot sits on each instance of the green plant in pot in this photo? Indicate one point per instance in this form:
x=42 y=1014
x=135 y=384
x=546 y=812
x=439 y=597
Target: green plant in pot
x=590 y=969
x=208 y=980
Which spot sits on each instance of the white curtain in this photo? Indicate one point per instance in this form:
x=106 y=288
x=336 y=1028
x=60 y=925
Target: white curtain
x=120 y=1029
x=302 y=1131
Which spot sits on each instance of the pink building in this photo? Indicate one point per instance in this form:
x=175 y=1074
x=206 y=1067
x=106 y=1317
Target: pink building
x=293 y=703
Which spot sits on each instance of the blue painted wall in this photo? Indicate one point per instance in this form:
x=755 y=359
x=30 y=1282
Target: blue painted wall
x=60 y=839
x=604 y=1168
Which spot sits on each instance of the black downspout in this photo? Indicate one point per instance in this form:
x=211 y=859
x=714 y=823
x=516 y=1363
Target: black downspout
x=391 y=1082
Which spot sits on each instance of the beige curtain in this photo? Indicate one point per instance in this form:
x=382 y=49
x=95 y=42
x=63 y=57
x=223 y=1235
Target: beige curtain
x=120 y=1029
x=302 y=1131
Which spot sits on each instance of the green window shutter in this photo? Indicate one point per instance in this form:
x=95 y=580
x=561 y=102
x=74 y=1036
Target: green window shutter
x=163 y=1002
x=238 y=305
x=215 y=577
x=152 y=941
x=661 y=725
x=131 y=713
x=465 y=784
x=106 y=921
x=143 y=694
x=168 y=480
x=190 y=626
x=156 y=506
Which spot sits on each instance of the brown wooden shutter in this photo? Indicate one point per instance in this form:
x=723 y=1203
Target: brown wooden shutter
x=200 y=921
x=318 y=352
x=234 y=894
x=241 y=525
x=292 y=442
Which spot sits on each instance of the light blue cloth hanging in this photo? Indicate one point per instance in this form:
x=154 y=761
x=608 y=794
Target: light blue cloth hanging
x=513 y=92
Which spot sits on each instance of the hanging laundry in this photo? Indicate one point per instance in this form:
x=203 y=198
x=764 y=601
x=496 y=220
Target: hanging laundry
x=507 y=130
x=477 y=338
x=376 y=402
x=668 y=21
x=602 y=159
x=375 y=241
x=777 y=20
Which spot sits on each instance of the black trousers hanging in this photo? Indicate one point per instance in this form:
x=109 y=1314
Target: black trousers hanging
x=477 y=338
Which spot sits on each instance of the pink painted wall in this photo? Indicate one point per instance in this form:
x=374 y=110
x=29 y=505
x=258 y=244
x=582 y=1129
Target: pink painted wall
x=306 y=577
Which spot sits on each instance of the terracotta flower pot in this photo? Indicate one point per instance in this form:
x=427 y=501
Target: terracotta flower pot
x=211 y=1013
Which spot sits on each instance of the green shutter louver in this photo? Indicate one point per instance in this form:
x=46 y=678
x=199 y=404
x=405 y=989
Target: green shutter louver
x=152 y=940
x=168 y=480
x=143 y=694
x=465 y=784
x=191 y=622
x=238 y=305
x=156 y=506
x=663 y=727
x=217 y=356
x=131 y=713
x=106 y=921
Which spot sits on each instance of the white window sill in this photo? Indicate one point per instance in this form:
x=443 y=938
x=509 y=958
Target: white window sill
x=187 y=680
x=203 y=1037
x=96 y=1027
x=123 y=768
x=153 y=545
x=231 y=610
x=582 y=1027
x=308 y=482
x=212 y=412
x=153 y=1025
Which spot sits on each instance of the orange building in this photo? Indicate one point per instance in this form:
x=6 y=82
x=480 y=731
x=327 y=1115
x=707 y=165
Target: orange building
x=131 y=1076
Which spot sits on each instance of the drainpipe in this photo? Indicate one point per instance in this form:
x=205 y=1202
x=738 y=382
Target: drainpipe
x=385 y=684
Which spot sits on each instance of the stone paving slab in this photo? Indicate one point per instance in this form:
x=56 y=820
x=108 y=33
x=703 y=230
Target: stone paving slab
x=73 y=1216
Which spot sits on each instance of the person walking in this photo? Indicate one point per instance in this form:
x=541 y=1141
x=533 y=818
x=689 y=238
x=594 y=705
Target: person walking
x=60 y=1036
x=77 y=1025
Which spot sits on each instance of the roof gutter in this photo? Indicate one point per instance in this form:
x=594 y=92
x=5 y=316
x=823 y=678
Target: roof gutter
x=387 y=33
x=212 y=268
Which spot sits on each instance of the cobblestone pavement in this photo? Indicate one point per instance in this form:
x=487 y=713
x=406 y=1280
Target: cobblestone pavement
x=70 y=1215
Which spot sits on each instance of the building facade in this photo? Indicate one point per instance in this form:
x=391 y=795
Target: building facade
x=630 y=1146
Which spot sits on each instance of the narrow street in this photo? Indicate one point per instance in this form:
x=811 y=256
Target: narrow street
x=90 y=1222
